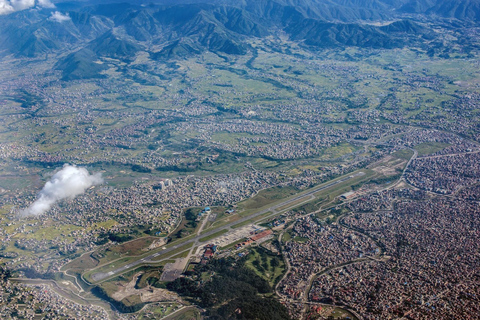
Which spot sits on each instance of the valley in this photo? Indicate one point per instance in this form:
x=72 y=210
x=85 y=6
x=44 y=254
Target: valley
x=335 y=144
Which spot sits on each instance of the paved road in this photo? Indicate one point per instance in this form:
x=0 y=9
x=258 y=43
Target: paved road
x=415 y=154
x=104 y=275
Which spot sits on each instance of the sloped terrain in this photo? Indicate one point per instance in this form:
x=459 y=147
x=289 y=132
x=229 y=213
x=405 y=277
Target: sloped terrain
x=81 y=35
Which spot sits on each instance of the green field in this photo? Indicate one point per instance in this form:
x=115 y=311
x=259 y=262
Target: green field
x=188 y=314
x=187 y=226
x=427 y=148
x=158 y=310
x=150 y=278
x=339 y=313
x=268 y=266
x=405 y=154
x=266 y=197
x=213 y=236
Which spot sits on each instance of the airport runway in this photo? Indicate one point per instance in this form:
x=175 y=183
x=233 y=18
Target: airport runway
x=103 y=275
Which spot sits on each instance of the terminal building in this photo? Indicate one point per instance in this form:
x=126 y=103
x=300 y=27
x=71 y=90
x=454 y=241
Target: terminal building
x=348 y=195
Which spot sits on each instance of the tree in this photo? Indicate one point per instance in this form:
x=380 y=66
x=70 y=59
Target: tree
x=274 y=262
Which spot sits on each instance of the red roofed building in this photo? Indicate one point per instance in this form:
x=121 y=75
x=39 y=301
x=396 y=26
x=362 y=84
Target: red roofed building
x=208 y=253
x=261 y=235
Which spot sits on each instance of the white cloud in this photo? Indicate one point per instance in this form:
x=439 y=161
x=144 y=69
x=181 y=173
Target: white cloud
x=46 y=4
x=69 y=182
x=22 y=4
x=59 y=17
x=6 y=7
x=9 y=6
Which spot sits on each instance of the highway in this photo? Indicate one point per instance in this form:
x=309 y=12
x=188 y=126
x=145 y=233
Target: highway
x=96 y=277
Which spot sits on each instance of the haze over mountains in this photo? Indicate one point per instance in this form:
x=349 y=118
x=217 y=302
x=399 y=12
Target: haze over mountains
x=80 y=33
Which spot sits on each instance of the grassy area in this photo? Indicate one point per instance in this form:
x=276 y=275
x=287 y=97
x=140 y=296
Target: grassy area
x=339 y=313
x=158 y=310
x=268 y=266
x=53 y=232
x=310 y=206
x=253 y=220
x=232 y=245
x=181 y=255
x=293 y=204
x=106 y=255
x=174 y=252
x=287 y=236
x=109 y=287
x=81 y=263
x=331 y=215
x=188 y=226
x=226 y=219
x=219 y=213
x=338 y=189
x=188 y=314
x=427 y=148
x=134 y=247
x=213 y=236
x=405 y=154
x=268 y=196
x=105 y=268
x=132 y=300
x=105 y=224
x=338 y=151
x=149 y=278
x=300 y=239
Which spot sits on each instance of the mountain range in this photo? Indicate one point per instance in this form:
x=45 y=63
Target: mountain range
x=81 y=33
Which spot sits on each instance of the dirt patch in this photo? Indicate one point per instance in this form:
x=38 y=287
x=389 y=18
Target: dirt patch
x=389 y=166
x=82 y=263
x=147 y=294
x=172 y=271
x=156 y=294
x=133 y=247
x=142 y=281
x=155 y=244
x=381 y=161
x=386 y=171
x=403 y=185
